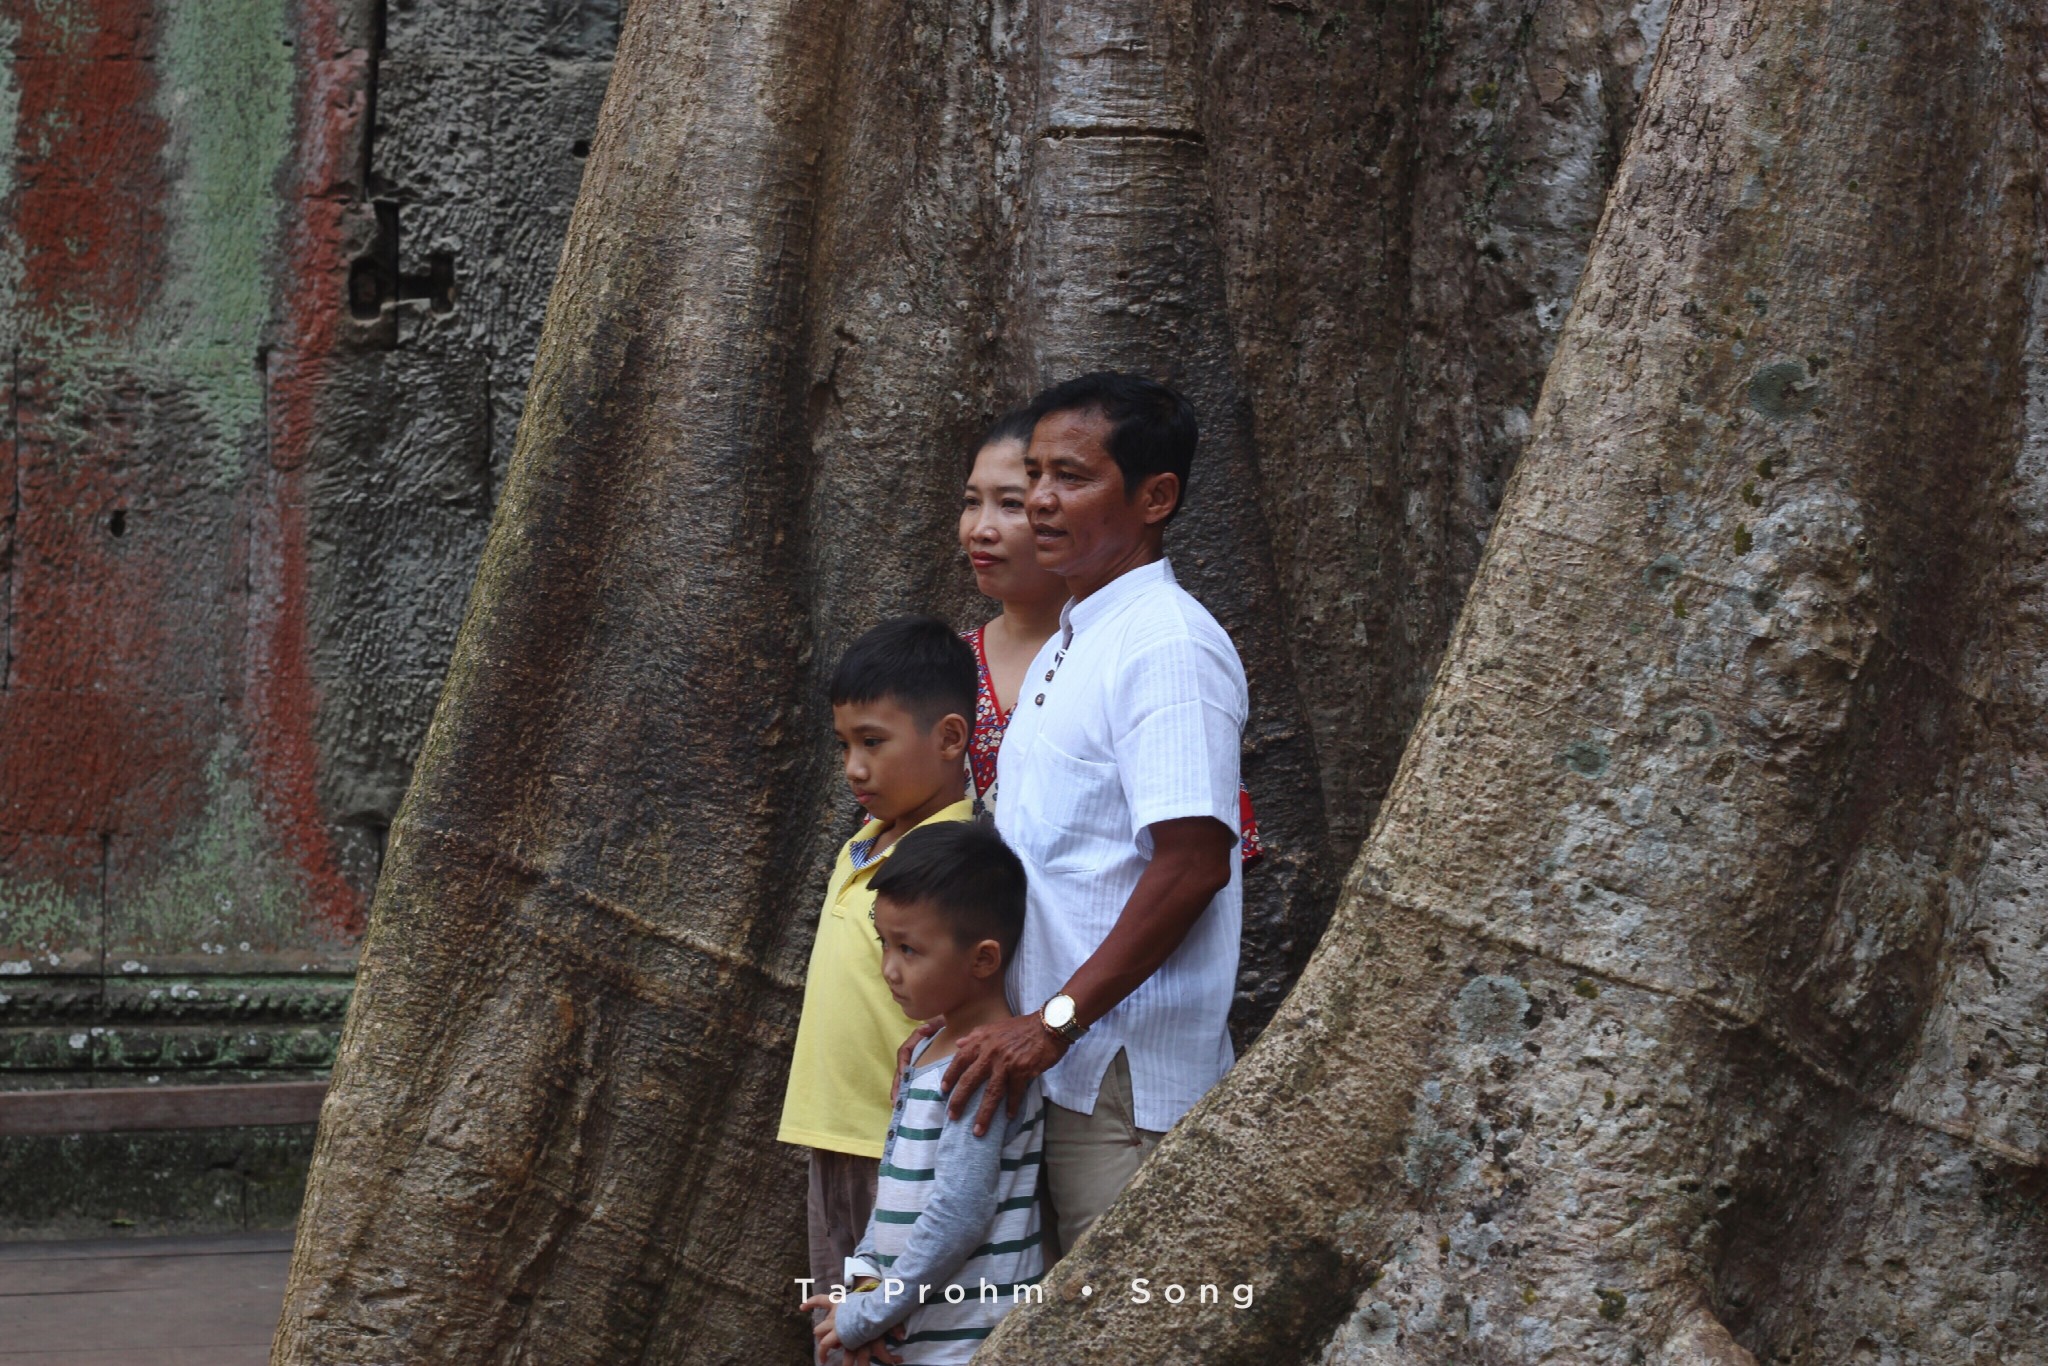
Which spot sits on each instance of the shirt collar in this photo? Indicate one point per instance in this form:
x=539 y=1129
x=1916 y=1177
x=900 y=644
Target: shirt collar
x=1112 y=597
x=962 y=810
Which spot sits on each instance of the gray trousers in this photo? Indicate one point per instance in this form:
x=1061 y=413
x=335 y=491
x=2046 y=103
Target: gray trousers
x=1090 y=1158
x=842 y=1196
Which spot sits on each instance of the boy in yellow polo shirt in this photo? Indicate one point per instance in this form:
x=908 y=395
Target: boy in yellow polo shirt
x=902 y=706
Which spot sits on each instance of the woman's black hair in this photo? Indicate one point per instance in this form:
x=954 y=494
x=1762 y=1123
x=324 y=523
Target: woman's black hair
x=1014 y=425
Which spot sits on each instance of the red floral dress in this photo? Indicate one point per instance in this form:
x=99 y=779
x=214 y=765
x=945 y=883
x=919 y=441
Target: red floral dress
x=990 y=720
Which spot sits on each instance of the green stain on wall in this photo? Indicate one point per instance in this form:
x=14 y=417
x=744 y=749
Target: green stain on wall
x=38 y=918
x=225 y=84
x=225 y=88
x=223 y=881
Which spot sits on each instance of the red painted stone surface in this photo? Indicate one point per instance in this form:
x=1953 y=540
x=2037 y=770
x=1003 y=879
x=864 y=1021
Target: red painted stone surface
x=334 y=83
x=97 y=735
x=238 y=516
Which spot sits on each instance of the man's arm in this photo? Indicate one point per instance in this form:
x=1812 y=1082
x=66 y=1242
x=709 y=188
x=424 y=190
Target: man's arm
x=1190 y=865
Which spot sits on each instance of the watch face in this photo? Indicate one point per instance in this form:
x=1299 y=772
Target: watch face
x=1059 y=1011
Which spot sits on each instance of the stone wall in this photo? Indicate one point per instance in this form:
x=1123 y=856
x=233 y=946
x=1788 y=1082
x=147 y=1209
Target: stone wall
x=270 y=283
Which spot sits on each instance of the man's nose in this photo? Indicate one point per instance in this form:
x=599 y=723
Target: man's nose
x=1039 y=497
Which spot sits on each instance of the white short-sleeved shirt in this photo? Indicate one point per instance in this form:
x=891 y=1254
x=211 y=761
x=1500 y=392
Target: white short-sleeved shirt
x=1139 y=721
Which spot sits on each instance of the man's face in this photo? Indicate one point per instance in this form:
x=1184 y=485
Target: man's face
x=1085 y=526
x=893 y=765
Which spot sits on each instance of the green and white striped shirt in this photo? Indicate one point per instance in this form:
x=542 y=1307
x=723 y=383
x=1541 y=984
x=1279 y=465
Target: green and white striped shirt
x=955 y=1232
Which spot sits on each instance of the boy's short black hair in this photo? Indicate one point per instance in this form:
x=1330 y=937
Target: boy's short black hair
x=964 y=872
x=919 y=663
x=1152 y=430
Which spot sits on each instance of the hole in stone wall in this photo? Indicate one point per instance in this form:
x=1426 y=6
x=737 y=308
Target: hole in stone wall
x=365 y=289
x=437 y=286
x=117 y=523
x=375 y=281
x=373 y=278
x=580 y=148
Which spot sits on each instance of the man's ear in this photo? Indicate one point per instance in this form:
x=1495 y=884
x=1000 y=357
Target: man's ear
x=985 y=959
x=1158 y=496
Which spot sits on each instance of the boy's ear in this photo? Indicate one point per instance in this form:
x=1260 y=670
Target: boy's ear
x=953 y=732
x=985 y=959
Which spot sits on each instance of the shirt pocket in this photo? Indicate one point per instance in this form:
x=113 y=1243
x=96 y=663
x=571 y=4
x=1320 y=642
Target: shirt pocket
x=1074 y=814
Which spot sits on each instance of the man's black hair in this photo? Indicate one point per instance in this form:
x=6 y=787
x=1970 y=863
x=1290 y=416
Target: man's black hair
x=1014 y=425
x=919 y=663
x=1152 y=430
x=965 y=873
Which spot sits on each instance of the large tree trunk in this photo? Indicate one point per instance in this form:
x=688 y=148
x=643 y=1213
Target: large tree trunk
x=1676 y=1009
x=1697 y=925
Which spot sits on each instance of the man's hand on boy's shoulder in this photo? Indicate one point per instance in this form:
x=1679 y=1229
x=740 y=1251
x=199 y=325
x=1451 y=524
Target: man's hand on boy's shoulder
x=904 y=1054
x=999 y=1059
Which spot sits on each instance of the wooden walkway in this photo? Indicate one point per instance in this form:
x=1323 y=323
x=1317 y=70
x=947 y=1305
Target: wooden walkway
x=126 y=1301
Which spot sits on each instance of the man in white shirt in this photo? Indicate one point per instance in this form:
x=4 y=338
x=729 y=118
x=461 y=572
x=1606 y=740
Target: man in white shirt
x=1119 y=775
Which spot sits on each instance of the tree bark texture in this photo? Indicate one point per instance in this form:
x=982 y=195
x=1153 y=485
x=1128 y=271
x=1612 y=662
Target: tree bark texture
x=1681 y=998
x=1675 y=1011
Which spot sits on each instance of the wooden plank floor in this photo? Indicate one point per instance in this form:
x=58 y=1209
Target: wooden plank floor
x=124 y=1301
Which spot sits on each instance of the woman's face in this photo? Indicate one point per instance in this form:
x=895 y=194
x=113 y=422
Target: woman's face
x=995 y=532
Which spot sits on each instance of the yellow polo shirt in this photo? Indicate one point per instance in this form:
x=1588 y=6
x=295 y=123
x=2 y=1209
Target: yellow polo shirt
x=847 y=1037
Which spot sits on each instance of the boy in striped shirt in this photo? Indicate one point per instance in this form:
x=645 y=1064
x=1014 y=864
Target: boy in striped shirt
x=953 y=1241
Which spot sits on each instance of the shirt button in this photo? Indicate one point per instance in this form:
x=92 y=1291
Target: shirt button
x=1039 y=701
x=1048 y=675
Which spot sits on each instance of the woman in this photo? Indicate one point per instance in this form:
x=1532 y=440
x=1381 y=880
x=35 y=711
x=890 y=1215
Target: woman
x=996 y=534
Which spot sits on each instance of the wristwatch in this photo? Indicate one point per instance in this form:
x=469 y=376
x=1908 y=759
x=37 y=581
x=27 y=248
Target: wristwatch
x=1058 y=1015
